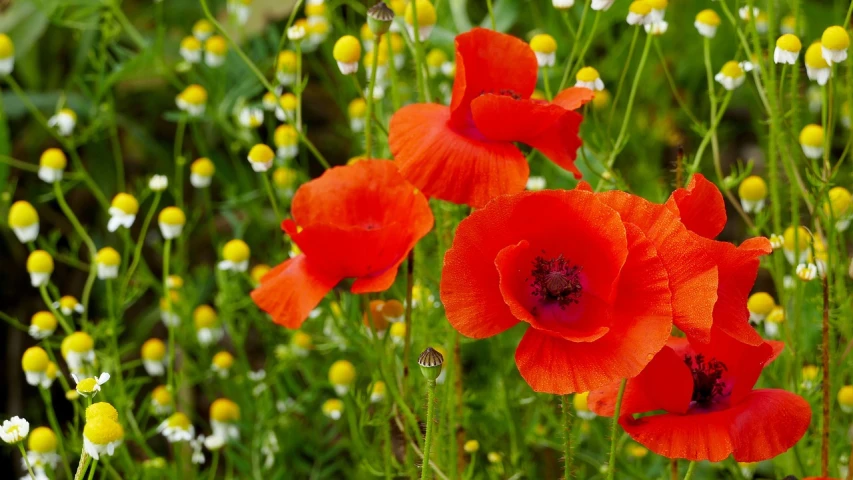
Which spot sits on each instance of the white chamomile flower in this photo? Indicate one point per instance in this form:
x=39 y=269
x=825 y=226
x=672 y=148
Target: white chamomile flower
x=161 y=400
x=286 y=140
x=153 y=353
x=240 y=9
x=41 y=450
x=52 y=165
x=24 y=220
x=89 y=387
x=269 y=449
x=7 y=55
x=68 y=305
x=14 y=430
x=215 y=51
x=807 y=271
x=224 y=415
x=656 y=28
x=214 y=442
x=158 y=183
x=731 y=76
x=235 y=256
x=201 y=172
x=250 y=117
x=198 y=454
x=190 y=49
x=192 y=100
x=581 y=403
x=834 y=44
x=588 y=77
x=707 y=21
x=123 y=210
x=101 y=436
x=42 y=325
x=78 y=350
x=639 y=13
x=177 y=428
x=817 y=68
x=261 y=157
x=207 y=326
x=788 y=48
x=599 y=5
x=333 y=408
x=35 y=362
x=171 y=221
x=63 y=121
x=107 y=261
x=534 y=184
x=296 y=33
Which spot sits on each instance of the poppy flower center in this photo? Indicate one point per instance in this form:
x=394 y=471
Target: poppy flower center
x=556 y=280
x=708 y=381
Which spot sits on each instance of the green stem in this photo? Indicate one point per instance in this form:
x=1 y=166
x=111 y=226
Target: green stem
x=624 y=74
x=545 y=74
x=492 y=14
x=690 y=470
x=614 y=428
x=26 y=460
x=54 y=424
x=179 y=161
x=81 y=466
x=93 y=268
x=137 y=253
x=586 y=45
x=429 y=428
x=128 y=27
x=61 y=318
x=567 y=435
x=167 y=251
x=575 y=43
x=423 y=95
x=92 y=469
x=626 y=119
x=214 y=463
x=368 y=127
x=271 y=194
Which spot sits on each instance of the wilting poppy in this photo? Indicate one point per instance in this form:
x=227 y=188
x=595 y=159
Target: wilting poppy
x=592 y=286
x=464 y=153
x=710 y=410
x=358 y=221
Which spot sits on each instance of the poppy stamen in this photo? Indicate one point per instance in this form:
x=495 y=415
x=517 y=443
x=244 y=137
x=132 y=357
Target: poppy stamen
x=556 y=279
x=707 y=378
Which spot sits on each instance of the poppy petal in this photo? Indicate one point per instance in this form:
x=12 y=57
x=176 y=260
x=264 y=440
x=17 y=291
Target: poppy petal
x=700 y=206
x=548 y=128
x=376 y=283
x=296 y=289
x=767 y=423
x=459 y=167
x=665 y=384
x=641 y=327
x=738 y=269
x=689 y=267
x=490 y=62
x=573 y=98
x=694 y=437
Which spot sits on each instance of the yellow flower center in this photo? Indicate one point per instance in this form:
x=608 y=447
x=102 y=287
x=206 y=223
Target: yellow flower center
x=44 y=320
x=236 y=251
x=587 y=75
x=40 y=262
x=35 y=359
x=426 y=13
x=640 y=7
x=753 y=188
x=87 y=385
x=342 y=373
x=223 y=360
x=708 y=17
x=172 y=216
x=179 y=420
x=258 y=272
x=53 y=158
x=190 y=43
x=284 y=177
x=108 y=256
x=543 y=43
x=803 y=238
x=162 y=396
x=203 y=167
x=333 y=405
x=261 y=153
x=195 y=95
x=760 y=303
x=814 y=56
x=789 y=43
x=103 y=431
x=347 y=49
x=126 y=203
x=835 y=38
x=839 y=202
x=301 y=340
x=224 y=410
x=845 y=396
x=153 y=349
x=732 y=70
x=42 y=440
x=7 y=48
x=287 y=61
x=812 y=136
x=216 y=45
x=580 y=401
x=22 y=214
x=205 y=316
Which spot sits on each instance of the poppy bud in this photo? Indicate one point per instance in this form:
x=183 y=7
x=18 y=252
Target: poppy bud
x=379 y=18
x=430 y=362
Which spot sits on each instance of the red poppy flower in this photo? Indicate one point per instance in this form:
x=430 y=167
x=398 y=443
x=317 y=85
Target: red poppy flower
x=591 y=282
x=710 y=408
x=464 y=153
x=358 y=221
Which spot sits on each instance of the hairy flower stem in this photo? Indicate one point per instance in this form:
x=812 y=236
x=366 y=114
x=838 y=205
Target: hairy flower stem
x=167 y=251
x=368 y=127
x=673 y=468
x=90 y=245
x=407 y=342
x=81 y=466
x=137 y=253
x=824 y=443
x=61 y=318
x=575 y=43
x=423 y=93
x=614 y=428
x=567 y=436
x=430 y=419
x=271 y=194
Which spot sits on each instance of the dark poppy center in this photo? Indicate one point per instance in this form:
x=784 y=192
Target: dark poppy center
x=708 y=384
x=556 y=280
x=504 y=93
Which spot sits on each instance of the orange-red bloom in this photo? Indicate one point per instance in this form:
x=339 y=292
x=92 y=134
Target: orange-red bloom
x=710 y=408
x=358 y=221
x=600 y=279
x=464 y=153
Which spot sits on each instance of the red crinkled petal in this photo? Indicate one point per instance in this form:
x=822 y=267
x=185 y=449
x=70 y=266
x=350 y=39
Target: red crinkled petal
x=490 y=62
x=573 y=98
x=700 y=206
x=454 y=165
x=556 y=221
x=765 y=423
x=549 y=128
x=691 y=270
x=738 y=269
x=640 y=328
x=291 y=290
